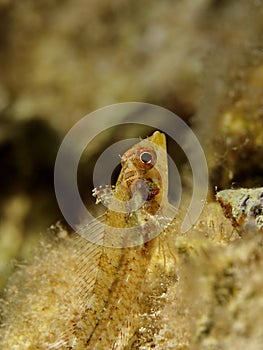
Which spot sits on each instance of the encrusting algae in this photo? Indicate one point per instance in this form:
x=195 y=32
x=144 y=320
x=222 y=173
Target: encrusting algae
x=157 y=288
x=244 y=207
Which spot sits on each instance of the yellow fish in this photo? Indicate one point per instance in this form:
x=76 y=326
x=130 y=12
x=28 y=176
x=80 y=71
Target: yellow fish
x=115 y=250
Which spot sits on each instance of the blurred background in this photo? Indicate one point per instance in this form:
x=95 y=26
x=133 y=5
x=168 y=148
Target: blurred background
x=62 y=59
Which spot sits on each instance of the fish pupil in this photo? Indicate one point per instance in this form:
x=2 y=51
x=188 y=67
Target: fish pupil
x=146 y=157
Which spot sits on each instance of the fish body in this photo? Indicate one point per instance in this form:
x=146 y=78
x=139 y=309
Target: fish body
x=114 y=253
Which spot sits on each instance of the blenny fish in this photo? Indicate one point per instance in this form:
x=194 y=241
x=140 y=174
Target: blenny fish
x=115 y=250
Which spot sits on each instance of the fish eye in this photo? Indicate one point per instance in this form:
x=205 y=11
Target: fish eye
x=146 y=157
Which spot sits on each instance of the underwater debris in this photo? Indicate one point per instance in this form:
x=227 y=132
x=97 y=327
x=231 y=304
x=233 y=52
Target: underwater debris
x=244 y=207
